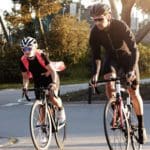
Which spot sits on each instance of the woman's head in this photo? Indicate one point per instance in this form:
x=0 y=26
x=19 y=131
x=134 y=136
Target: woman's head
x=29 y=46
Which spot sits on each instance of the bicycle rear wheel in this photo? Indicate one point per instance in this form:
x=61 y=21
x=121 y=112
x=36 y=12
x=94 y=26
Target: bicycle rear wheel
x=134 y=130
x=117 y=136
x=60 y=133
x=41 y=131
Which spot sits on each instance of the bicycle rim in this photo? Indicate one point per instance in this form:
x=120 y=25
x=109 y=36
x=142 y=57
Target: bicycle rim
x=134 y=141
x=60 y=134
x=134 y=131
x=40 y=130
x=117 y=136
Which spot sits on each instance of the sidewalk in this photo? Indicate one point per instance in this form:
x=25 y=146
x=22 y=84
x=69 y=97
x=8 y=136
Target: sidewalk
x=77 y=87
x=67 y=88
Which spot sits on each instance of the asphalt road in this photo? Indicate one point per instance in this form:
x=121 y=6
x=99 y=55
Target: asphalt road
x=84 y=132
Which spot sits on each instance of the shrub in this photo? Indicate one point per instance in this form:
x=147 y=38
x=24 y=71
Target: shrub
x=144 y=61
x=9 y=64
x=68 y=39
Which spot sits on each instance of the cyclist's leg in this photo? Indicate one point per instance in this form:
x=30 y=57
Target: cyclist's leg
x=138 y=106
x=56 y=100
x=109 y=70
x=110 y=86
x=41 y=108
x=53 y=94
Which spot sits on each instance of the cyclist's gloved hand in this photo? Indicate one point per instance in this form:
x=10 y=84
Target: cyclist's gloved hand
x=94 y=79
x=130 y=76
x=93 y=83
x=52 y=87
x=24 y=91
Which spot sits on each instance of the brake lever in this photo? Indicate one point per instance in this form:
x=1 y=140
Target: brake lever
x=95 y=89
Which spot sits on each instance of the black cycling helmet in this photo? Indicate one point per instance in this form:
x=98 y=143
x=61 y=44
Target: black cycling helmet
x=99 y=9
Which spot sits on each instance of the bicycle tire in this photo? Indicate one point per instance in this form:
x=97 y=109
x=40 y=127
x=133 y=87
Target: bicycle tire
x=35 y=127
x=113 y=141
x=134 y=130
x=60 y=133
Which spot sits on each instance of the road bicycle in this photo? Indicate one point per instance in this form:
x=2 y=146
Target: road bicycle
x=120 y=122
x=44 y=123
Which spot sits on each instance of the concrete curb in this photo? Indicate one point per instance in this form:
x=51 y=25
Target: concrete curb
x=64 y=89
x=77 y=87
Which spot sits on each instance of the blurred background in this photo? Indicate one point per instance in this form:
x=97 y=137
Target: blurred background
x=62 y=28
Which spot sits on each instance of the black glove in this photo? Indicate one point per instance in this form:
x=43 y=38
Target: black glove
x=25 y=93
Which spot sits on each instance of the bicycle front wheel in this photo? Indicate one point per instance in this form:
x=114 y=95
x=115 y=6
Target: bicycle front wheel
x=116 y=128
x=40 y=126
x=60 y=133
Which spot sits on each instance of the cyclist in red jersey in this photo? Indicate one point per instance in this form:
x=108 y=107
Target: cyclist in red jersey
x=34 y=63
x=121 y=55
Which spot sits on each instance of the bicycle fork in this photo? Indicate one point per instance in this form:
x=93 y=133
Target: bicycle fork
x=119 y=101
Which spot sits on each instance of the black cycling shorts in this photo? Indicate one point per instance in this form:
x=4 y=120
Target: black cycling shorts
x=110 y=66
x=43 y=81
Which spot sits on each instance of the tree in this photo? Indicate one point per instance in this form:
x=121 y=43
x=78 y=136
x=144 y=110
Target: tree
x=41 y=8
x=114 y=9
x=126 y=10
x=142 y=32
x=127 y=6
x=68 y=39
x=144 y=5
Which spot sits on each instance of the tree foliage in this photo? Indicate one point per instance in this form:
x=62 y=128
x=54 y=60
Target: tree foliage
x=144 y=5
x=41 y=8
x=127 y=6
x=69 y=39
x=144 y=62
x=9 y=60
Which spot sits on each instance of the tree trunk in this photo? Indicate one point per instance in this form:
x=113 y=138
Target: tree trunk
x=42 y=30
x=113 y=4
x=126 y=10
x=142 y=32
x=43 y=34
x=4 y=30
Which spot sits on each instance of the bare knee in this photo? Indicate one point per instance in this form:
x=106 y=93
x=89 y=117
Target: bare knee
x=134 y=93
x=110 y=86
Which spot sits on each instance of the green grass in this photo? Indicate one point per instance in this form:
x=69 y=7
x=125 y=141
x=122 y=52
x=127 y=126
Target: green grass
x=10 y=86
x=77 y=74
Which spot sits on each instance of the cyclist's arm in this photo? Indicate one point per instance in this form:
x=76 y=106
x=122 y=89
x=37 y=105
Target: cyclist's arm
x=25 y=80
x=50 y=70
x=98 y=66
x=53 y=73
x=96 y=52
x=131 y=43
x=25 y=77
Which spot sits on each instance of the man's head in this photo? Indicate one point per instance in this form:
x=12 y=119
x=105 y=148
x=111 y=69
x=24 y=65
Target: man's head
x=29 y=46
x=101 y=14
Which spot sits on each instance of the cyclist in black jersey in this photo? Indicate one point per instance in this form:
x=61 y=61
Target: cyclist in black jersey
x=34 y=63
x=121 y=56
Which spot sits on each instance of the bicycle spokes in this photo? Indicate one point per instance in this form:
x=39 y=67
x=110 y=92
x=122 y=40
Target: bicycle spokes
x=40 y=126
x=116 y=129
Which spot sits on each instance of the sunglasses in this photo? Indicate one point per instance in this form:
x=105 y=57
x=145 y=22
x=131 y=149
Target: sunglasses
x=26 y=49
x=98 y=19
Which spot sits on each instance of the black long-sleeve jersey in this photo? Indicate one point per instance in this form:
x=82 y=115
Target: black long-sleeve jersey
x=118 y=42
